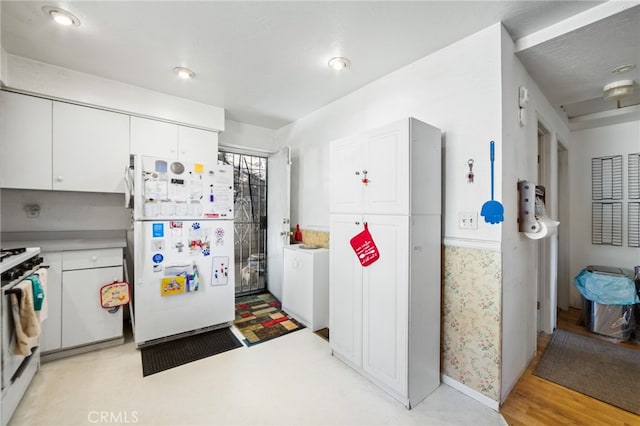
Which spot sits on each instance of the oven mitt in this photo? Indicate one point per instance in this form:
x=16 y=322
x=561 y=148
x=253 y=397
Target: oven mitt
x=364 y=247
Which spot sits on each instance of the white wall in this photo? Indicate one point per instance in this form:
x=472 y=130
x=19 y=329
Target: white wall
x=456 y=89
x=247 y=137
x=60 y=83
x=584 y=145
x=519 y=162
x=63 y=211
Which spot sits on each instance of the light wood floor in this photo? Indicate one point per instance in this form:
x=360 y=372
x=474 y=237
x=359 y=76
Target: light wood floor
x=535 y=401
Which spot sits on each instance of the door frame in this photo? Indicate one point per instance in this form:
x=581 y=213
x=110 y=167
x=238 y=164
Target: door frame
x=547 y=252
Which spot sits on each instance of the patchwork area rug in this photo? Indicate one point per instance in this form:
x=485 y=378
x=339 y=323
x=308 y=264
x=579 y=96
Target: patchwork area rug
x=174 y=353
x=596 y=368
x=259 y=318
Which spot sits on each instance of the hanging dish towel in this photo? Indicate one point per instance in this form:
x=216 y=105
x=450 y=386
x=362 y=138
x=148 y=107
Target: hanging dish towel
x=43 y=312
x=26 y=322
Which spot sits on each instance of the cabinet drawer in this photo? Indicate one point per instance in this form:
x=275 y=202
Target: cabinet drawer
x=85 y=259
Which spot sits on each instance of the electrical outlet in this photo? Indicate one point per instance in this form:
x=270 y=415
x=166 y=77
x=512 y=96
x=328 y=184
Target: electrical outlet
x=468 y=220
x=32 y=210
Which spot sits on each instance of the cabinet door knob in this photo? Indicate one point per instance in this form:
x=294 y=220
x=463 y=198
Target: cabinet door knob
x=59 y=178
x=94 y=258
x=357 y=173
x=357 y=223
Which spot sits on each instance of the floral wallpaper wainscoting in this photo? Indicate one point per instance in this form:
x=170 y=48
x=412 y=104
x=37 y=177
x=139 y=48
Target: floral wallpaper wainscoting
x=471 y=326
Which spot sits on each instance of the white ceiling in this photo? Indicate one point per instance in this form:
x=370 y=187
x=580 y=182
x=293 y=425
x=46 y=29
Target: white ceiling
x=265 y=62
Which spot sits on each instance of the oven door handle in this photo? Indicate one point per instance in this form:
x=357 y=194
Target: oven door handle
x=23 y=366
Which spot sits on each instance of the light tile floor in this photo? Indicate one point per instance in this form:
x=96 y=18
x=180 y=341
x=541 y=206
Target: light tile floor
x=291 y=380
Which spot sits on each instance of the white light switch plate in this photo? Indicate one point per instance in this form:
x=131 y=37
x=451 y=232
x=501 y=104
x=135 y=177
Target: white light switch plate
x=468 y=220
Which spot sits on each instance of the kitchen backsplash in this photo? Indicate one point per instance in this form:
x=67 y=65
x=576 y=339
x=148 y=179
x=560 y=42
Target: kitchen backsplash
x=62 y=211
x=314 y=238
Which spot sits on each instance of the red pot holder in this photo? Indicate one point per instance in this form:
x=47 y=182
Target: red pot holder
x=364 y=247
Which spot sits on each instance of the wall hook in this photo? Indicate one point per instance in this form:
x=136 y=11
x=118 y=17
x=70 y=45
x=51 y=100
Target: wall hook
x=470 y=172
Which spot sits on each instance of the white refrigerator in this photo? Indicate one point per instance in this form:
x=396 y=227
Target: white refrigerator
x=183 y=248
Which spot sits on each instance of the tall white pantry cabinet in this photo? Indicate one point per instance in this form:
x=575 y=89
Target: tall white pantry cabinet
x=385 y=318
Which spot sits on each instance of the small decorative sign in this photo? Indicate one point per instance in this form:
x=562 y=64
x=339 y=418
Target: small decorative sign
x=114 y=294
x=170 y=286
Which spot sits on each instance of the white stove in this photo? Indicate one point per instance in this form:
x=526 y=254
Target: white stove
x=17 y=370
x=18 y=259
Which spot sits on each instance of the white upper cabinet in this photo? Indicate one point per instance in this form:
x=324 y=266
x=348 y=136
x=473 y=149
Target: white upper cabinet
x=159 y=139
x=369 y=172
x=90 y=149
x=197 y=145
x=25 y=141
x=153 y=138
x=346 y=186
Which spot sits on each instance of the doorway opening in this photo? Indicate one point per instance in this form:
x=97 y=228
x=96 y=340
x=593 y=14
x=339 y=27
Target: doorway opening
x=250 y=220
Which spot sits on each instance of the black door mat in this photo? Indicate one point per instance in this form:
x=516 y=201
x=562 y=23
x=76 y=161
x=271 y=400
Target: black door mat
x=164 y=356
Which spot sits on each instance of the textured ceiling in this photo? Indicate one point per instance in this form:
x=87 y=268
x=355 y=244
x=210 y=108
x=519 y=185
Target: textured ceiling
x=265 y=62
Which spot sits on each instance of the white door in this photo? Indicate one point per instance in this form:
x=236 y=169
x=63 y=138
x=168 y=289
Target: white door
x=386 y=152
x=346 y=175
x=197 y=145
x=278 y=222
x=83 y=319
x=154 y=138
x=80 y=134
x=385 y=295
x=297 y=294
x=345 y=289
x=184 y=277
x=25 y=141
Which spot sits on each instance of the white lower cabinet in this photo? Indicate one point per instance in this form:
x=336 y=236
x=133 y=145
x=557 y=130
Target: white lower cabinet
x=75 y=316
x=83 y=319
x=385 y=317
x=369 y=305
x=305 y=286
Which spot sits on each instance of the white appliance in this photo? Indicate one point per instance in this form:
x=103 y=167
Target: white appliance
x=17 y=370
x=183 y=248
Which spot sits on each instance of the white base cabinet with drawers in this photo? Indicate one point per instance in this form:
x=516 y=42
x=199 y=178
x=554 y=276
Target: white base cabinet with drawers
x=75 y=316
x=305 y=285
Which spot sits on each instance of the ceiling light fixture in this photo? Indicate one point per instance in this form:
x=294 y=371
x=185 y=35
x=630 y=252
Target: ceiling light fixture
x=61 y=16
x=618 y=90
x=623 y=68
x=184 y=73
x=338 y=63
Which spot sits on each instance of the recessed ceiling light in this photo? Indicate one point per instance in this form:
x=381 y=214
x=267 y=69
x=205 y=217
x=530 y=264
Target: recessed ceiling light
x=61 y=16
x=183 y=72
x=338 y=63
x=623 y=68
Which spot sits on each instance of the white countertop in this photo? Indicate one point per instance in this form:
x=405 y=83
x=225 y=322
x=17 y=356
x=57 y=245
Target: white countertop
x=302 y=248
x=49 y=241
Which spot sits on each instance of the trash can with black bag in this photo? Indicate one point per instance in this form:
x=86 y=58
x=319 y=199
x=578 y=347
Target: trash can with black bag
x=608 y=301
